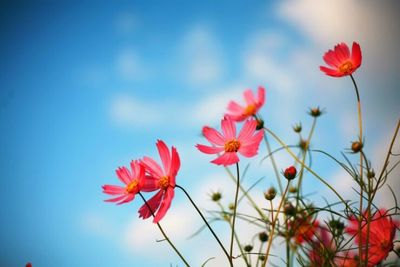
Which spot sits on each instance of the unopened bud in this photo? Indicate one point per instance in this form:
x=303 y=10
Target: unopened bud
x=270 y=194
x=216 y=196
x=356 y=146
x=263 y=236
x=231 y=206
x=297 y=127
x=303 y=144
x=290 y=173
x=315 y=112
x=260 y=124
x=292 y=189
x=248 y=248
x=289 y=209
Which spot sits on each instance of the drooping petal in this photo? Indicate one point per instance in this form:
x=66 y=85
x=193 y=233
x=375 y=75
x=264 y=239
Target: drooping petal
x=165 y=204
x=153 y=203
x=331 y=72
x=113 y=189
x=356 y=56
x=228 y=128
x=213 y=136
x=248 y=129
x=116 y=199
x=129 y=197
x=124 y=175
x=249 y=97
x=228 y=158
x=152 y=167
x=209 y=149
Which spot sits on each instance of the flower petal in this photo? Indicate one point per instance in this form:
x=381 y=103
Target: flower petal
x=149 y=184
x=235 y=107
x=113 y=189
x=261 y=96
x=153 y=203
x=228 y=128
x=356 y=56
x=124 y=175
x=248 y=129
x=116 y=199
x=331 y=59
x=175 y=165
x=228 y=158
x=209 y=149
x=129 y=197
x=165 y=156
x=249 y=97
x=165 y=204
x=331 y=72
x=152 y=167
x=213 y=136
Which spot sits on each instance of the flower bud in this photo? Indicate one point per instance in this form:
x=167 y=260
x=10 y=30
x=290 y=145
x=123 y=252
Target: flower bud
x=231 y=206
x=356 y=146
x=263 y=236
x=292 y=189
x=248 y=248
x=289 y=209
x=270 y=194
x=297 y=127
x=315 y=112
x=290 y=173
x=216 y=196
x=371 y=174
x=262 y=257
x=303 y=144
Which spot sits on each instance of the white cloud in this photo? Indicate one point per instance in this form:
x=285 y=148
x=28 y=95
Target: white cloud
x=201 y=56
x=95 y=224
x=127 y=111
x=129 y=66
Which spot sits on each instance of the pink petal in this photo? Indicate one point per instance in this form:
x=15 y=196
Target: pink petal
x=252 y=138
x=209 y=149
x=113 y=189
x=213 y=136
x=129 y=197
x=261 y=96
x=248 y=129
x=228 y=158
x=165 y=204
x=153 y=203
x=152 y=167
x=356 y=56
x=149 y=184
x=235 y=107
x=249 y=97
x=228 y=128
x=331 y=72
x=248 y=151
x=124 y=175
x=165 y=156
x=136 y=168
x=116 y=199
x=175 y=165
x=239 y=117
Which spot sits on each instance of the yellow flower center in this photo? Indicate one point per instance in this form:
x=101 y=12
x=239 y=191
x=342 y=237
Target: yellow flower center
x=346 y=67
x=132 y=187
x=164 y=182
x=232 y=146
x=250 y=110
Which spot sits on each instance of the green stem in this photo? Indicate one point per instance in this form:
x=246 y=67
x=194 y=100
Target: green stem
x=234 y=209
x=164 y=234
x=278 y=178
x=208 y=225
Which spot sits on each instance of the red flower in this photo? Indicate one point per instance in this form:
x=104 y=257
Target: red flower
x=341 y=61
x=165 y=181
x=246 y=143
x=135 y=181
x=304 y=229
x=290 y=173
x=237 y=112
x=382 y=232
x=28 y=264
x=348 y=259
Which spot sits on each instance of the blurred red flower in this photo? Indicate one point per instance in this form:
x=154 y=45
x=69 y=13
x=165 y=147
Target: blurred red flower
x=237 y=112
x=340 y=60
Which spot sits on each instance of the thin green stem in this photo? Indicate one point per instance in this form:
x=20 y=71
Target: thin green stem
x=206 y=222
x=278 y=178
x=235 y=208
x=163 y=233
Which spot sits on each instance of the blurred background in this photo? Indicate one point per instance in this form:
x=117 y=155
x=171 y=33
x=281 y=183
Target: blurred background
x=86 y=87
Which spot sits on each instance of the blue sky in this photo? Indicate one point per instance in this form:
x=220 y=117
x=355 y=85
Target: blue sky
x=86 y=87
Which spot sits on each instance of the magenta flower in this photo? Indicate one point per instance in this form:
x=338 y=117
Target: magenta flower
x=238 y=112
x=246 y=143
x=165 y=181
x=135 y=181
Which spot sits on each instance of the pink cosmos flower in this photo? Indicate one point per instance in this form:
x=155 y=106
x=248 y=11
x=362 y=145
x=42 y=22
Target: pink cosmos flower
x=165 y=181
x=340 y=60
x=134 y=180
x=381 y=236
x=246 y=143
x=238 y=112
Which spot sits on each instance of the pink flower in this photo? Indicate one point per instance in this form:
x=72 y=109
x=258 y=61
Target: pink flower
x=165 y=181
x=135 y=181
x=381 y=236
x=341 y=61
x=246 y=143
x=237 y=112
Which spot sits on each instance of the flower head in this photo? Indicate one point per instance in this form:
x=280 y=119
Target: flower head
x=238 y=112
x=342 y=62
x=382 y=232
x=165 y=181
x=134 y=181
x=227 y=143
x=304 y=229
